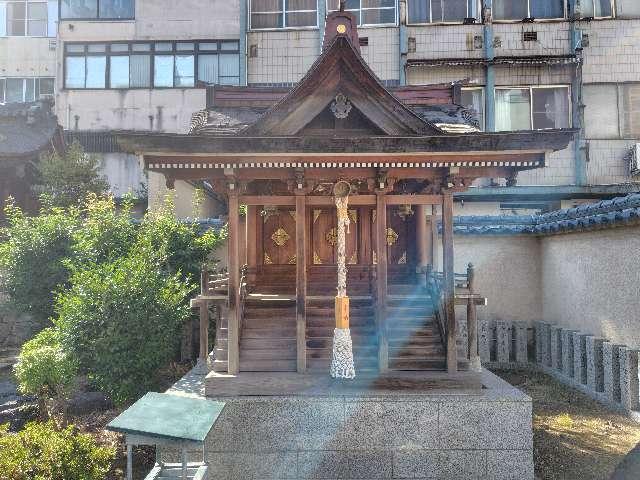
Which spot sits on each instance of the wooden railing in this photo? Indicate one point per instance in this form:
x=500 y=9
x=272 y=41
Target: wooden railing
x=242 y=296
x=464 y=294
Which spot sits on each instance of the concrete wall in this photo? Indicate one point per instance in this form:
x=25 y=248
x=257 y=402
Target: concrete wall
x=508 y=273
x=590 y=283
x=27 y=57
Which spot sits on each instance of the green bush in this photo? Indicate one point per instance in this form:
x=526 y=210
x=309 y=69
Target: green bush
x=33 y=251
x=122 y=321
x=41 y=452
x=43 y=367
x=67 y=179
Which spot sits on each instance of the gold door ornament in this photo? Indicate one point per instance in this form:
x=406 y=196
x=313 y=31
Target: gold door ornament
x=332 y=237
x=403 y=259
x=267 y=259
x=280 y=237
x=316 y=259
x=392 y=236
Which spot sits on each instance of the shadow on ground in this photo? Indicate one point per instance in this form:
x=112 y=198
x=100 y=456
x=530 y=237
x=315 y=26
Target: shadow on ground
x=575 y=437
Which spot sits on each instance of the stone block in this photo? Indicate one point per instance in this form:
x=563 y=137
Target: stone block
x=370 y=464
x=503 y=341
x=372 y=424
x=510 y=465
x=252 y=465
x=322 y=464
x=479 y=425
x=611 y=371
x=484 y=340
x=538 y=341
x=595 y=373
x=629 y=378
x=440 y=464
x=556 y=347
x=579 y=358
x=522 y=341
x=567 y=352
x=545 y=344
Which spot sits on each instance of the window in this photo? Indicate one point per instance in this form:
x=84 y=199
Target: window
x=27 y=18
x=628 y=8
x=283 y=14
x=630 y=110
x=473 y=99
x=531 y=108
x=19 y=90
x=596 y=8
x=601 y=111
x=436 y=11
x=97 y=9
x=153 y=64
x=368 y=12
x=520 y=9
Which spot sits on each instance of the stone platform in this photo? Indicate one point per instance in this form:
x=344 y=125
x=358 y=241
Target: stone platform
x=417 y=425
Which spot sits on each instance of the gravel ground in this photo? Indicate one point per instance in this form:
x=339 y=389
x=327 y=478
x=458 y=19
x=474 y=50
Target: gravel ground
x=574 y=437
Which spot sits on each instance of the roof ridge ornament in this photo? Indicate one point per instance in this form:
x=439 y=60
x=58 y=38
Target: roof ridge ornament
x=341 y=106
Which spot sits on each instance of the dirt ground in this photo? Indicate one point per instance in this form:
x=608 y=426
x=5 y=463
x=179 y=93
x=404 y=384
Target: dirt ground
x=574 y=437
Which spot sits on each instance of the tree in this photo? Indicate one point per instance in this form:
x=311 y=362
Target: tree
x=67 y=179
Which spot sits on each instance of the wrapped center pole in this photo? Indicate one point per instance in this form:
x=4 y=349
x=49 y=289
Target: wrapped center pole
x=342 y=355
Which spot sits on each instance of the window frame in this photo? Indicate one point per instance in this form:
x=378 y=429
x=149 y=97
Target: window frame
x=482 y=88
x=565 y=16
x=97 y=18
x=360 y=10
x=152 y=53
x=531 y=88
x=26 y=19
x=36 y=88
x=478 y=15
x=282 y=12
x=613 y=11
x=622 y=111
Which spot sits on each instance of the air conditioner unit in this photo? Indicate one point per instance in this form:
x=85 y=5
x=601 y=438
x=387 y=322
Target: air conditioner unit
x=634 y=160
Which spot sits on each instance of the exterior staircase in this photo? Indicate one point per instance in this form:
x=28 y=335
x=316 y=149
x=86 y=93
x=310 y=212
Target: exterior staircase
x=321 y=323
x=414 y=336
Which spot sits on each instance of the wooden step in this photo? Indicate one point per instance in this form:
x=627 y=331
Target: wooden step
x=355 y=332
x=435 y=363
x=415 y=342
x=273 y=343
x=417 y=352
x=267 y=365
x=267 y=354
x=327 y=341
x=274 y=332
x=220 y=366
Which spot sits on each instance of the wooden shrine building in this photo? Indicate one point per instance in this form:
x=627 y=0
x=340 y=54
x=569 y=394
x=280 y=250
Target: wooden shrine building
x=279 y=152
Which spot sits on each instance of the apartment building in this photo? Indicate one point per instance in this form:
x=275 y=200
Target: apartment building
x=524 y=64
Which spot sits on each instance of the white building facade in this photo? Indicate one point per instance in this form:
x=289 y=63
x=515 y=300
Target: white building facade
x=525 y=64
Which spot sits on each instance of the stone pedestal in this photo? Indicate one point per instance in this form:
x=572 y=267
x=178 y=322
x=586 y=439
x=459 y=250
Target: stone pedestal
x=556 y=347
x=579 y=358
x=628 y=378
x=595 y=374
x=503 y=341
x=538 y=340
x=545 y=344
x=522 y=341
x=484 y=340
x=567 y=352
x=611 y=370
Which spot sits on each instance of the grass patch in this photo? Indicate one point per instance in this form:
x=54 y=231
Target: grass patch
x=574 y=437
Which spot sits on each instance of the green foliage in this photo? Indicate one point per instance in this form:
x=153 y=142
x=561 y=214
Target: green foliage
x=67 y=179
x=106 y=233
x=42 y=452
x=43 y=367
x=121 y=320
x=122 y=291
x=33 y=251
x=184 y=247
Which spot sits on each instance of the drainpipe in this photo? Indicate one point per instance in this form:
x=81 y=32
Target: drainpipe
x=322 y=20
x=403 y=42
x=244 y=54
x=577 y=110
x=490 y=80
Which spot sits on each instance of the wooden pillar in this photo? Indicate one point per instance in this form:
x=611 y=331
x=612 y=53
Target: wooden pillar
x=433 y=233
x=472 y=321
x=233 y=322
x=381 y=275
x=422 y=237
x=204 y=332
x=252 y=240
x=301 y=282
x=449 y=280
